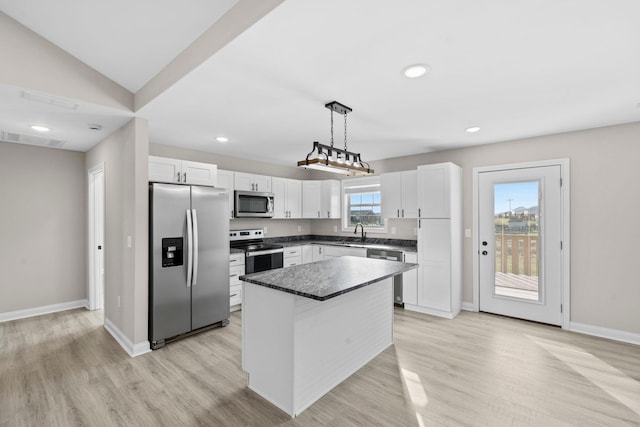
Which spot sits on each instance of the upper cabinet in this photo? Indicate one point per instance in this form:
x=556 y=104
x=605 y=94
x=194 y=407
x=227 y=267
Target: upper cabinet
x=399 y=194
x=287 y=200
x=162 y=169
x=435 y=189
x=321 y=199
x=251 y=182
x=225 y=181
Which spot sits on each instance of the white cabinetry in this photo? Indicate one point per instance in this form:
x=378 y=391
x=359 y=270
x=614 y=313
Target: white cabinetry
x=410 y=280
x=251 y=182
x=317 y=253
x=236 y=269
x=321 y=199
x=287 y=197
x=225 y=180
x=162 y=169
x=439 y=240
x=338 y=251
x=399 y=194
x=307 y=254
x=292 y=256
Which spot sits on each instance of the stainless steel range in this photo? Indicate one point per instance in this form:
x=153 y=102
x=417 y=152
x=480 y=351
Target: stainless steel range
x=259 y=256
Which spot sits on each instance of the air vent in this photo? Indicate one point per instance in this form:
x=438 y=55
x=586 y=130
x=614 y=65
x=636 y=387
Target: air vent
x=50 y=100
x=31 y=139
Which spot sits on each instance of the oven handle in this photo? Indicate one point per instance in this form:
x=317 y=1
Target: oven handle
x=267 y=252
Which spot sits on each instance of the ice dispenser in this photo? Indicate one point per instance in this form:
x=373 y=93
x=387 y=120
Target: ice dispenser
x=172 y=251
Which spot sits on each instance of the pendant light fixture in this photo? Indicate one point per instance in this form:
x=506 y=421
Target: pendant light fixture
x=330 y=159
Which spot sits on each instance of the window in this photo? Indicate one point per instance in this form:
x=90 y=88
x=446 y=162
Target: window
x=361 y=198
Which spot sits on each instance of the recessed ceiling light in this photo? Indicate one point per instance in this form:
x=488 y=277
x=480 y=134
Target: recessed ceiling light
x=222 y=139
x=416 y=70
x=472 y=129
x=40 y=128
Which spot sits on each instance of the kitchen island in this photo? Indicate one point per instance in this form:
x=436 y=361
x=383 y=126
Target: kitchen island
x=307 y=328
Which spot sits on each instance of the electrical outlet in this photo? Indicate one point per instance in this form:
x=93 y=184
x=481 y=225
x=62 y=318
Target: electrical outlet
x=266 y=230
x=415 y=231
x=118 y=301
x=393 y=230
x=467 y=232
x=129 y=241
x=335 y=228
x=299 y=228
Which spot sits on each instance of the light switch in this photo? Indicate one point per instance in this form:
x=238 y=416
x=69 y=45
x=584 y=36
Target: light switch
x=467 y=232
x=129 y=243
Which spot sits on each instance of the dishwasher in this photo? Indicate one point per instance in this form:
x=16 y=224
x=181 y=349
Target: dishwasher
x=397 y=280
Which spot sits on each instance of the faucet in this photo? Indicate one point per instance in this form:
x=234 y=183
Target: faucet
x=363 y=234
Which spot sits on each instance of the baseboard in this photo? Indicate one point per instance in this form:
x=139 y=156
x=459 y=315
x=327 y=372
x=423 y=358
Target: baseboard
x=599 y=331
x=132 y=350
x=45 y=309
x=469 y=306
x=430 y=311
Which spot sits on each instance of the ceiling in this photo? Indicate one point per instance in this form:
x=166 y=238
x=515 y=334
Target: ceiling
x=516 y=69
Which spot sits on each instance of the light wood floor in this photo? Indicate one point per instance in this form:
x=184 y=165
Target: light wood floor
x=64 y=369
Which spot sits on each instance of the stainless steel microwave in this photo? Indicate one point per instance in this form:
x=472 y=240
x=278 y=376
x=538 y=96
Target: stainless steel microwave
x=252 y=204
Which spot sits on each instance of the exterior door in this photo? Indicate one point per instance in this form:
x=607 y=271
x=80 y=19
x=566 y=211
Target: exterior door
x=520 y=233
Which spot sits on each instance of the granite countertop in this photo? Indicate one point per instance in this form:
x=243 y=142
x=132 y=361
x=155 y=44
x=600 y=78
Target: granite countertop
x=372 y=243
x=327 y=279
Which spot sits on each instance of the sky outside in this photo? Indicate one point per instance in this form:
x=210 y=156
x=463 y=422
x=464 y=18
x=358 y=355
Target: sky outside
x=522 y=194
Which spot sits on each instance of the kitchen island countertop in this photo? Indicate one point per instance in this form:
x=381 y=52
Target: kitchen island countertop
x=330 y=278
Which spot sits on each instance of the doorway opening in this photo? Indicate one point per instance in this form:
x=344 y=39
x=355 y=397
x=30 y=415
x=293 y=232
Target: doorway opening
x=96 y=208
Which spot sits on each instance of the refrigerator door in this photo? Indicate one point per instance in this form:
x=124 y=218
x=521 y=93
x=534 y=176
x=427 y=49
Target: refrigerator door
x=210 y=282
x=169 y=294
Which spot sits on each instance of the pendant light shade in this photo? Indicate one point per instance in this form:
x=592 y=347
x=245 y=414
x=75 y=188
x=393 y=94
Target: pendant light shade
x=331 y=159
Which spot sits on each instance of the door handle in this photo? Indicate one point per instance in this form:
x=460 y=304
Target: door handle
x=484 y=243
x=485 y=252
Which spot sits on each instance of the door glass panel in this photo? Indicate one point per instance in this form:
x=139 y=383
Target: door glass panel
x=517 y=226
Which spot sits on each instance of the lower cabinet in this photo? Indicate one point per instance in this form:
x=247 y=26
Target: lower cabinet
x=292 y=256
x=317 y=253
x=236 y=269
x=410 y=280
x=307 y=254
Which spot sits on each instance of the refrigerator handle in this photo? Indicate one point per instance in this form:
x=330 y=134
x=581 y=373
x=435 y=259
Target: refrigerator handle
x=189 y=248
x=195 y=248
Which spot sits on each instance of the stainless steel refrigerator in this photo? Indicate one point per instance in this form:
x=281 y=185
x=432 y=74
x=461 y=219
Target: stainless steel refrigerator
x=188 y=260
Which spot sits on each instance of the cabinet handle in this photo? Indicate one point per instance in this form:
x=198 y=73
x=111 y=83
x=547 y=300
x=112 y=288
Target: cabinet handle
x=184 y=177
x=398 y=214
x=328 y=214
x=232 y=275
x=419 y=215
x=233 y=260
x=233 y=295
x=419 y=223
x=402 y=213
x=178 y=176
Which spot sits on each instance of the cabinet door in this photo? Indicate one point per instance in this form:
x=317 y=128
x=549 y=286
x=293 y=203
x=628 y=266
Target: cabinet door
x=243 y=182
x=409 y=194
x=294 y=198
x=197 y=173
x=410 y=281
x=225 y=181
x=307 y=254
x=330 y=199
x=311 y=199
x=391 y=191
x=317 y=253
x=262 y=183
x=279 y=190
x=434 y=199
x=162 y=169
x=434 y=251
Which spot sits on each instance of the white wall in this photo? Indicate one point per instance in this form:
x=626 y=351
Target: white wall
x=124 y=154
x=42 y=227
x=33 y=62
x=605 y=201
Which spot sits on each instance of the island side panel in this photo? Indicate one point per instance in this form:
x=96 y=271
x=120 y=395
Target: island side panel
x=267 y=343
x=336 y=337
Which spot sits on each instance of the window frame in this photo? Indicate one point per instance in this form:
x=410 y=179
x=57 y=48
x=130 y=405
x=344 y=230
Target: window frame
x=348 y=183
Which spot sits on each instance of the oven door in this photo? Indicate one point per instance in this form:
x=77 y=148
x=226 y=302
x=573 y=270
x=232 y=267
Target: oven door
x=263 y=260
